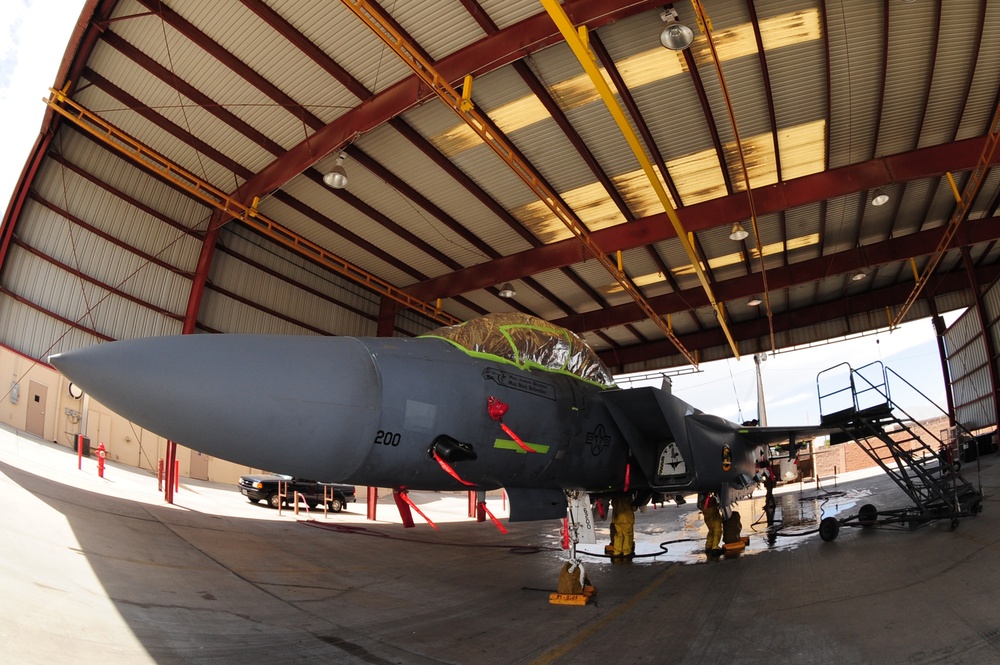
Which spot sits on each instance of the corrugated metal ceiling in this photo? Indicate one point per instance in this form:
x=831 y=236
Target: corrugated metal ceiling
x=831 y=101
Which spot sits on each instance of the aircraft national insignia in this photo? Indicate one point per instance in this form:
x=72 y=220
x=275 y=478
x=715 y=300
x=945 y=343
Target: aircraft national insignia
x=727 y=459
x=598 y=440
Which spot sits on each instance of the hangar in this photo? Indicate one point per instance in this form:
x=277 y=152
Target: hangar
x=177 y=183
x=803 y=170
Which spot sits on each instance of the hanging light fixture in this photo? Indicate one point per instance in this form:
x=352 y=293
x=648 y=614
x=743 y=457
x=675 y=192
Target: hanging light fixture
x=879 y=197
x=753 y=301
x=337 y=177
x=738 y=233
x=675 y=36
x=507 y=291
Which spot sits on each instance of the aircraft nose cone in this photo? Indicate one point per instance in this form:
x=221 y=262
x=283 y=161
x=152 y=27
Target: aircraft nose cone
x=306 y=406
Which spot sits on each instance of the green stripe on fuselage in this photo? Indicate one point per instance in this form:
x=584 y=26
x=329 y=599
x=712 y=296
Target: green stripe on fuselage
x=510 y=444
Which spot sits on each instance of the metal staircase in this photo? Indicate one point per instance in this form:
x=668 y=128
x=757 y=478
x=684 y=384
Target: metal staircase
x=857 y=402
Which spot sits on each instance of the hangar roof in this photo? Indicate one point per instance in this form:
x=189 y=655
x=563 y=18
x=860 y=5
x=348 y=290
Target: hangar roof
x=178 y=183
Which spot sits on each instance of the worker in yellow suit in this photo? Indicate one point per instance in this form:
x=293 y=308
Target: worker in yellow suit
x=623 y=523
x=709 y=505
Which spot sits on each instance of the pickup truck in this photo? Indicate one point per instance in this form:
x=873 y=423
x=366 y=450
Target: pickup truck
x=259 y=488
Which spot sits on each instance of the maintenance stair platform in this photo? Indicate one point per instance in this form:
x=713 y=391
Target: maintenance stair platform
x=856 y=405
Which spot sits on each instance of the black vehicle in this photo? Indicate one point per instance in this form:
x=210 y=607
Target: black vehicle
x=265 y=487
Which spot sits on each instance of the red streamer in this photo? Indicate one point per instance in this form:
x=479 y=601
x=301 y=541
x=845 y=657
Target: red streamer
x=451 y=472
x=410 y=503
x=517 y=439
x=500 y=527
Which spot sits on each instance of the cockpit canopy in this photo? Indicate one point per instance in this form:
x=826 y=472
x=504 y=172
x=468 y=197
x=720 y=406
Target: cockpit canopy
x=528 y=342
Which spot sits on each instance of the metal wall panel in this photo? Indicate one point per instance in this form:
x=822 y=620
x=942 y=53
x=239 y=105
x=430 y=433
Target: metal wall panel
x=412 y=166
x=507 y=12
x=908 y=68
x=330 y=287
x=968 y=368
x=36 y=334
x=159 y=140
x=856 y=30
x=980 y=103
x=197 y=67
x=341 y=214
x=315 y=313
x=954 y=53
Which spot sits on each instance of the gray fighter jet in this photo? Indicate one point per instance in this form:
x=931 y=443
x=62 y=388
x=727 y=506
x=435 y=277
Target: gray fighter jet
x=502 y=401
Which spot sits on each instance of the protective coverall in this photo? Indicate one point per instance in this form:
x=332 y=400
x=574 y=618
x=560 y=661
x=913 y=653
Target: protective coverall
x=713 y=520
x=623 y=521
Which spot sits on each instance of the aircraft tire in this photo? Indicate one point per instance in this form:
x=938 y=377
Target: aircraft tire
x=828 y=529
x=868 y=515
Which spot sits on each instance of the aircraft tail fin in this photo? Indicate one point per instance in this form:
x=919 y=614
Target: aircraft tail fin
x=652 y=422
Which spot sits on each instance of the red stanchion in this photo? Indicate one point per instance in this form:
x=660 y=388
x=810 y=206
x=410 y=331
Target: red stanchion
x=159 y=475
x=177 y=475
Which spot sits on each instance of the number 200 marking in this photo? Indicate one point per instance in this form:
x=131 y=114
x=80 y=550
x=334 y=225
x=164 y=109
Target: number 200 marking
x=387 y=438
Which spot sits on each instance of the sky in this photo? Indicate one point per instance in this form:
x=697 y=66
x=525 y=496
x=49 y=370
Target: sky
x=35 y=36
x=728 y=388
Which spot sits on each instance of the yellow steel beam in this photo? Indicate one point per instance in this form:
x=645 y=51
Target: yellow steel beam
x=579 y=44
x=371 y=15
x=96 y=126
x=962 y=208
x=706 y=26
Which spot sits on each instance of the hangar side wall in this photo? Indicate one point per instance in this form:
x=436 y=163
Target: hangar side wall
x=31 y=388
x=969 y=362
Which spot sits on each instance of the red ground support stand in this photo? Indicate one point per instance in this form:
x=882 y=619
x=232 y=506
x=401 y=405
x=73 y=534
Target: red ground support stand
x=372 y=502
x=168 y=489
x=79 y=452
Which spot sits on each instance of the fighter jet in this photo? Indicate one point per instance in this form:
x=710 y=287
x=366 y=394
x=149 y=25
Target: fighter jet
x=505 y=400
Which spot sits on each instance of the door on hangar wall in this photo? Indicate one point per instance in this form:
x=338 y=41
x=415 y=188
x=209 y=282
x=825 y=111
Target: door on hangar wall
x=199 y=466
x=38 y=397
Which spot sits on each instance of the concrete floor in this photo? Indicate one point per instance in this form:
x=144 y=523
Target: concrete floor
x=101 y=571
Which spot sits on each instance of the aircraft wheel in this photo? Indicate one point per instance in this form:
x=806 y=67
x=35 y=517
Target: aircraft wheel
x=868 y=515
x=954 y=524
x=336 y=505
x=828 y=529
x=273 y=500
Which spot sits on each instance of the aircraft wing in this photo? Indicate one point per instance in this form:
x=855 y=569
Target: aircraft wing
x=774 y=436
